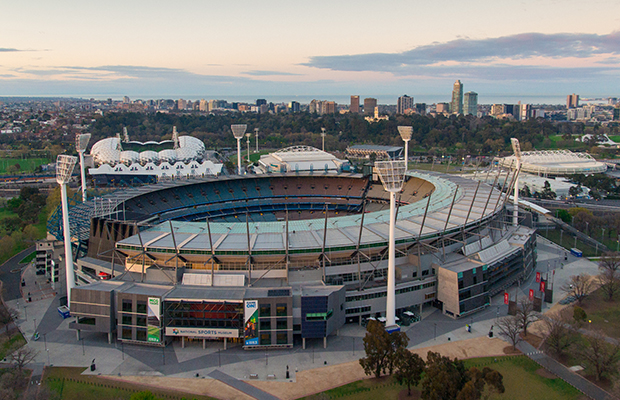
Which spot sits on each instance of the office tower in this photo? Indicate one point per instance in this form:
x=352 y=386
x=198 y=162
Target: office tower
x=204 y=105
x=456 y=106
x=328 y=107
x=369 y=106
x=616 y=113
x=572 y=101
x=525 y=112
x=420 y=108
x=497 y=109
x=509 y=109
x=404 y=103
x=260 y=102
x=442 y=108
x=126 y=100
x=470 y=103
x=314 y=106
x=355 y=105
x=294 y=106
x=181 y=104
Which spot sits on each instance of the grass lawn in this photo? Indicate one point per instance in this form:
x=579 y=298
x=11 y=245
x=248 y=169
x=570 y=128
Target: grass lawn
x=615 y=138
x=568 y=242
x=604 y=314
x=522 y=380
x=28 y=258
x=71 y=385
x=7 y=346
x=26 y=166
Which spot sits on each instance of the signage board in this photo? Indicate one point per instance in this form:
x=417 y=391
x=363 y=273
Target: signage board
x=542 y=286
x=153 y=325
x=203 y=332
x=250 y=322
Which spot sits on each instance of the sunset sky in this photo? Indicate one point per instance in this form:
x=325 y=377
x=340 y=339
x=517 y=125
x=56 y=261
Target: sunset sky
x=273 y=48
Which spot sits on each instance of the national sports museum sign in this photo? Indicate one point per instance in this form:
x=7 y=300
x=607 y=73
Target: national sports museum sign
x=202 y=332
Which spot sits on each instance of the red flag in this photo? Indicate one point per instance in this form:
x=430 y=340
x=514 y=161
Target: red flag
x=531 y=294
x=538 y=277
x=542 y=286
x=506 y=298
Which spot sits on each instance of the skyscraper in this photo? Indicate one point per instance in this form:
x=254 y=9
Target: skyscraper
x=470 y=104
x=369 y=106
x=294 y=106
x=355 y=105
x=404 y=103
x=456 y=106
x=572 y=101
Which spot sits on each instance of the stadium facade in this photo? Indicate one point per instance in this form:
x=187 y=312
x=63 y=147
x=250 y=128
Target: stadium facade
x=264 y=259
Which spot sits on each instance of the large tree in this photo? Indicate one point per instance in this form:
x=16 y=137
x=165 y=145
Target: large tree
x=578 y=286
x=526 y=314
x=560 y=333
x=600 y=355
x=382 y=349
x=410 y=369
x=609 y=277
x=510 y=328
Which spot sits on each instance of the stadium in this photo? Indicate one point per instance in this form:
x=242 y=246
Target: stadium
x=555 y=163
x=263 y=260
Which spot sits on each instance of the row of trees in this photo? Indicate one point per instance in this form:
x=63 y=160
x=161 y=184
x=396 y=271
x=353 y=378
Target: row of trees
x=440 y=377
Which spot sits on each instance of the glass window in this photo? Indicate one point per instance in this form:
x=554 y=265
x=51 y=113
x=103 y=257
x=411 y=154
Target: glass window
x=281 y=310
x=126 y=333
x=282 y=338
x=127 y=306
x=281 y=324
x=265 y=325
x=141 y=335
x=141 y=320
x=126 y=320
x=86 y=321
x=265 y=338
x=265 y=310
x=141 y=307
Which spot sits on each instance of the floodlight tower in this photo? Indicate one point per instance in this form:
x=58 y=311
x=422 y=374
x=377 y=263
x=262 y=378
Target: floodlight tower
x=238 y=132
x=516 y=148
x=405 y=134
x=247 y=136
x=323 y=138
x=256 y=133
x=392 y=175
x=81 y=142
x=64 y=169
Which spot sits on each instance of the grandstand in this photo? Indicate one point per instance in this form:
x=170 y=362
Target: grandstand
x=311 y=248
x=555 y=163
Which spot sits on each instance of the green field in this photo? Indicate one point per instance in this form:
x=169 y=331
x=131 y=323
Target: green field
x=28 y=258
x=568 y=242
x=615 y=138
x=27 y=165
x=521 y=380
x=604 y=314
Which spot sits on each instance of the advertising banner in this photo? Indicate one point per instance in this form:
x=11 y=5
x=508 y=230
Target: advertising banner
x=250 y=325
x=506 y=298
x=542 y=286
x=202 y=332
x=531 y=294
x=153 y=325
x=538 y=277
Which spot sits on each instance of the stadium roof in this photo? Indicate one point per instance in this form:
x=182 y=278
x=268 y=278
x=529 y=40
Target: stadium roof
x=555 y=162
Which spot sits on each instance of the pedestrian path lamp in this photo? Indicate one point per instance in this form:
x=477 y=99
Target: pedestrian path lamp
x=405 y=134
x=392 y=175
x=64 y=169
x=81 y=142
x=238 y=132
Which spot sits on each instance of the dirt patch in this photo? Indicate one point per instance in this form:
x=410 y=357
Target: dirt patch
x=508 y=350
x=415 y=395
x=545 y=374
x=532 y=339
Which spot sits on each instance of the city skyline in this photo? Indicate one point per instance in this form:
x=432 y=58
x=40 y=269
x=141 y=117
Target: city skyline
x=278 y=49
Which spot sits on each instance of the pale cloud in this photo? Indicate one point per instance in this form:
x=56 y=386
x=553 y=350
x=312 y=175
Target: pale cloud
x=269 y=73
x=7 y=50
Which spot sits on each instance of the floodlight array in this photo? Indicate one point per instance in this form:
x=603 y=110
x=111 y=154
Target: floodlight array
x=64 y=168
x=405 y=132
x=392 y=174
x=81 y=142
x=238 y=130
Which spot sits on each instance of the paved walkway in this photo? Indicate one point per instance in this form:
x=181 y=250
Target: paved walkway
x=241 y=386
x=577 y=381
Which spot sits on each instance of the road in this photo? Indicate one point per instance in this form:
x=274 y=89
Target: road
x=10 y=274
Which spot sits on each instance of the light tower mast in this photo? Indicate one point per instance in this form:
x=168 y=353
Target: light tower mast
x=238 y=132
x=81 y=142
x=256 y=133
x=247 y=136
x=516 y=148
x=64 y=169
x=323 y=138
x=392 y=175
x=405 y=134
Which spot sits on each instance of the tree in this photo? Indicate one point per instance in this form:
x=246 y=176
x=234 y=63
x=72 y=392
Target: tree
x=560 y=335
x=578 y=286
x=609 y=277
x=410 y=369
x=579 y=315
x=526 y=314
x=510 y=328
x=23 y=356
x=382 y=349
x=7 y=316
x=600 y=355
x=575 y=191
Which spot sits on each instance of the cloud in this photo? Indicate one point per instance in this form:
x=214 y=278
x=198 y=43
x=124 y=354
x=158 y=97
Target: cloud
x=7 y=50
x=465 y=50
x=269 y=73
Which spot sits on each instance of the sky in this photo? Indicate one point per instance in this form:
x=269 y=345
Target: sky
x=277 y=48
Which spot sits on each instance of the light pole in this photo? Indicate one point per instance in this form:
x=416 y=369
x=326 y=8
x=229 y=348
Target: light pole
x=603 y=235
x=238 y=132
x=64 y=168
x=247 y=136
x=81 y=142
x=516 y=148
x=392 y=175
x=256 y=133
x=587 y=228
x=323 y=138
x=405 y=134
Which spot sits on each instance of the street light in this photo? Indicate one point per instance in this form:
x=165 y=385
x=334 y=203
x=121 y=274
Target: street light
x=323 y=138
x=64 y=169
x=392 y=175
x=81 y=142
x=238 y=131
x=405 y=134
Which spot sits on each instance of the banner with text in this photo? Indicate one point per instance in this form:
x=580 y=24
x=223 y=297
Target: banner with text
x=250 y=326
x=153 y=325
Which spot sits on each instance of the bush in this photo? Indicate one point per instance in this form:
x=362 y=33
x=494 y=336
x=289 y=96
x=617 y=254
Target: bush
x=579 y=314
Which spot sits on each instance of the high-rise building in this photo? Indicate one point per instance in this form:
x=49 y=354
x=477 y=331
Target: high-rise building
x=328 y=107
x=181 y=104
x=572 y=101
x=404 y=103
x=497 y=109
x=260 y=102
x=355 y=105
x=470 y=103
x=442 y=108
x=420 y=108
x=616 y=116
x=314 y=106
x=456 y=106
x=204 y=105
x=369 y=106
x=294 y=106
